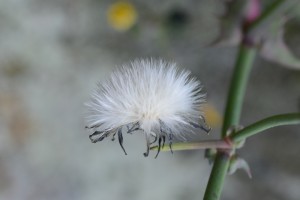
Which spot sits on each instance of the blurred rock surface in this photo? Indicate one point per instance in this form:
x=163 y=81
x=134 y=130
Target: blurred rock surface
x=52 y=53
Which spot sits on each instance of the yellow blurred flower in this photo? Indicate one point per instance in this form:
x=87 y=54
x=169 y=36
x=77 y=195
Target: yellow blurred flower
x=121 y=15
x=212 y=116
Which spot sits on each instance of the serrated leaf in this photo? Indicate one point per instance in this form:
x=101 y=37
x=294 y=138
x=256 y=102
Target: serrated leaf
x=275 y=49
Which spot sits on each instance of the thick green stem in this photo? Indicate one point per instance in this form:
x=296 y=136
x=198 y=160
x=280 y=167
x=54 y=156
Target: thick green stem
x=237 y=87
x=270 y=122
x=236 y=93
x=217 y=177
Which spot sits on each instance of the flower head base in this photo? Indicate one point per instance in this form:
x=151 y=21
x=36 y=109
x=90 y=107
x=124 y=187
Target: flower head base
x=150 y=96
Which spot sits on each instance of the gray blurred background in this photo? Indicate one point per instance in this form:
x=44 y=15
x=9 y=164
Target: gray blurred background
x=52 y=54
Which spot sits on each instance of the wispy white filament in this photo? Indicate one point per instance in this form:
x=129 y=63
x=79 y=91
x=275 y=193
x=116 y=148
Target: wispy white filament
x=148 y=95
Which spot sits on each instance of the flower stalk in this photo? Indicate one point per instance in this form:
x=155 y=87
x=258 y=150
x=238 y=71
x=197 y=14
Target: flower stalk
x=209 y=144
x=231 y=141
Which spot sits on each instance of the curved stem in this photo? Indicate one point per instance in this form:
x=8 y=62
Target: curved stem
x=270 y=122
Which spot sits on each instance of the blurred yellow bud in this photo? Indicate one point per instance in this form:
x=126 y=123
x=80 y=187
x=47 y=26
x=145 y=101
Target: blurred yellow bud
x=121 y=15
x=212 y=116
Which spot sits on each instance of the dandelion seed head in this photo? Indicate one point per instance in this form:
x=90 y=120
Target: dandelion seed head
x=148 y=95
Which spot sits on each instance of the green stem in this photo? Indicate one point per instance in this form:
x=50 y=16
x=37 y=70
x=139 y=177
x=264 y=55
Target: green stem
x=209 y=144
x=270 y=122
x=237 y=88
x=236 y=93
x=217 y=177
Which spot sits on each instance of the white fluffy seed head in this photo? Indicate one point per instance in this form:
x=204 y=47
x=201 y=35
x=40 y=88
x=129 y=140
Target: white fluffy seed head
x=154 y=94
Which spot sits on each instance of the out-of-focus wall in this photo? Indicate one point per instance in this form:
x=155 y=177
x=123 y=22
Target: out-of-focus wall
x=52 y=54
